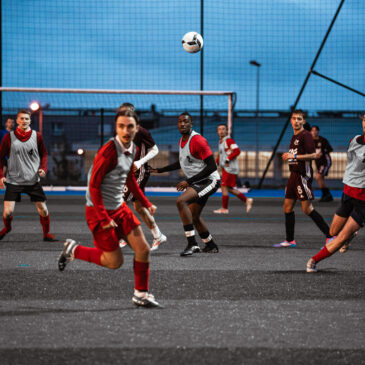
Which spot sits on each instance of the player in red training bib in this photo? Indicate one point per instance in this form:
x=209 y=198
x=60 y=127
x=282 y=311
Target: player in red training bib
x=299 y=186
x=27 y=162
x=350 y=216
x=146 y=150
x=323 y=163
x=202 y=180
x=108 y=216
x=228 y=152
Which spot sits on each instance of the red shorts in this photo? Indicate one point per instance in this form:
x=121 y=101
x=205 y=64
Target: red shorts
x=228 y=179
x=108 y=240
x=299 y=187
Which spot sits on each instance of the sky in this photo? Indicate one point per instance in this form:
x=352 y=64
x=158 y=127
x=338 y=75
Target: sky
x=117 y=44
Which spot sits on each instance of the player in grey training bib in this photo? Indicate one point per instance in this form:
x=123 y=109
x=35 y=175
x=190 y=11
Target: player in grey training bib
x=202 y=180
x=27 y=162
x=350 y=216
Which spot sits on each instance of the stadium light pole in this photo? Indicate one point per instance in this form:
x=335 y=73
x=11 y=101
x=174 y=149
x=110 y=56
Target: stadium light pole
x=36 y=107
x=257 y=65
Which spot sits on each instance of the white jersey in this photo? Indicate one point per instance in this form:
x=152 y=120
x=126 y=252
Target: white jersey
x=24 y=161
x=112 y=187
x=355 y=168
x=191 y=165
x=224 y=151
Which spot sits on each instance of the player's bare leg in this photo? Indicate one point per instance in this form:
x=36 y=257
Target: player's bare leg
x=182 y=204
x=331 y=247
x=158 y=237
x=45 y=222
x=9 y=207
x=201 y=227
x=242 y=197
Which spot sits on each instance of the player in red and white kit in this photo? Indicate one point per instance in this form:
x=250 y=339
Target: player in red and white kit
x=323 y=163
x=299 y=186
x=202 y=180
x=27 y=162
x=228 y=151
x=108 y=217
x=147 y=149
x=350 y=216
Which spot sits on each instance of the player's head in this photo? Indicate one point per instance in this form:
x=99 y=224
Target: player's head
x=315 y=131
x=222 y=130
x=297 y=120
x=126 y=106
x=9 y=124
x=185 y=123
x=23 y=119
x=126 y=126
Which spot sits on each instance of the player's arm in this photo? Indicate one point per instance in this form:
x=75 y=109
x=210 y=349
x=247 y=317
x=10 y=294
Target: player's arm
x=310 y=150
x=210 y=167
x=4 y=151
x=171 y=167
x=234 y=148
x=134 y=188
x=104 y=162
x=152 y=152
x=43 y=155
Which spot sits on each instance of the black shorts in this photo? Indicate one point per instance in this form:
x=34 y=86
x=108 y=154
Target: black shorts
x=323 y=169
x=13 y=192
x=142 y=182
x=205 y=189
x=352 y=207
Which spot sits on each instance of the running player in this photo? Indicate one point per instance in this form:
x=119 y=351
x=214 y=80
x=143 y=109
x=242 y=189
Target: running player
x=147 y=149
x=350 y=216
x=108 y=217
x=323 y=163
x=299 y=186
x=202 y=180
x=27 y=162
x=228 y=151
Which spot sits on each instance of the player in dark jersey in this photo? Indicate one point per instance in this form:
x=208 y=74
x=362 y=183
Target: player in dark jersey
x=147 y=150
x=350 y=216
x=27 y=162
x=108 y=217
x=202 y=180
x=323 y=163
x=299 y=186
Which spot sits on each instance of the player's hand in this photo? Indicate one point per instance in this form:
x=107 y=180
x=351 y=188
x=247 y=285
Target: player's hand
x=287 y=156
x=183 y=185
x=317 y=155
x=111 y=224
x=153 y=170
x=41 y=173
x=134 y=167
x=152 y=209
x=2 y=181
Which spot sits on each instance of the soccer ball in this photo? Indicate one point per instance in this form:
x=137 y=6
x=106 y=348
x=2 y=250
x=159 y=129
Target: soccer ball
x=192 y=42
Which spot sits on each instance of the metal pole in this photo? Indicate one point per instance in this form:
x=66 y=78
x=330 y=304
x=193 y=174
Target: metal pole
x=202 y=68
x=258 y=92
x=101 y=126
x=301 y=92
x=40 y=126
x=229 y=121
x=257 y=160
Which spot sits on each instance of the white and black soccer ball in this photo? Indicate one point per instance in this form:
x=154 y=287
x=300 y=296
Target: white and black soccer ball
x=192 y=42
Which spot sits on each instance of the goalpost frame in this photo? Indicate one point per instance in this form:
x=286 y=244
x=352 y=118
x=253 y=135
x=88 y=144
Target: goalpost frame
x=229 y=94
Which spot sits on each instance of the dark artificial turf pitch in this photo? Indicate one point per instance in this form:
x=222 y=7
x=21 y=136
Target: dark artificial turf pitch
x=249 y=304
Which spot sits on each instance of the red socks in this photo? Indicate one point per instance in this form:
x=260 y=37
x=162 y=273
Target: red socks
x=321 y=255
x=45 y=224
x=242 y=197
x=225 y=199
x=89 y=254
x=141 y=275
x=7 y=226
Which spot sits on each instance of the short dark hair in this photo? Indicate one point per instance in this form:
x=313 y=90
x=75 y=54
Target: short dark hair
x=188 y=115
x=128 y=106
x=24 y=111
x=316 y=127
x=127 y=113
x=299 y=111
x=222 y=124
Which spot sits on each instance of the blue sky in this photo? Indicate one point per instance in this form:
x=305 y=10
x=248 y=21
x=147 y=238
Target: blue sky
x=118 y=44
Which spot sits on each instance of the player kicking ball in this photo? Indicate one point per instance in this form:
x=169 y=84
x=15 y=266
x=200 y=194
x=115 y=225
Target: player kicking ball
x=227 y=160
x=350 y=216
x=202 y=180
x=108 y=217
x=27 y=163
